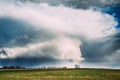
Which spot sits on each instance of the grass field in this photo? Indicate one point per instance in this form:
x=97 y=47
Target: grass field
x=60 y=74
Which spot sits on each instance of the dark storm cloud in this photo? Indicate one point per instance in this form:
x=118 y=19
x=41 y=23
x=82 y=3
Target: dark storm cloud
x=11 y=30
x=105 y=50
x=84 y=4
x=14 y=32
x=28 y=62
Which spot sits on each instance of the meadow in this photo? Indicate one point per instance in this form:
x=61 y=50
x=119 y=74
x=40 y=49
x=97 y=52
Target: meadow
x=60 y=74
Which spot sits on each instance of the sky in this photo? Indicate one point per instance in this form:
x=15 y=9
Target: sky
x=59 y=33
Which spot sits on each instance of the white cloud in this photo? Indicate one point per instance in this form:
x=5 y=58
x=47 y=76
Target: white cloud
x=63 y=20
x=64 y=48
x=68 y=48
x=20 y=51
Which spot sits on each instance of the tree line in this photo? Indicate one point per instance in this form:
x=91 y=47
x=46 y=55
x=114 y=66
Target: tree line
x=12 y=67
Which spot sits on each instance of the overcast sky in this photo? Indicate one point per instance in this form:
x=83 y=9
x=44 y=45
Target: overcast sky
x=35 y=33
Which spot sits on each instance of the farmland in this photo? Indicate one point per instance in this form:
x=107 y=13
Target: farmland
x=60 y=74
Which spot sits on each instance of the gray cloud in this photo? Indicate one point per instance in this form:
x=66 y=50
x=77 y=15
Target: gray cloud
x=28 y=62
x=104 y=51
x=15 y=32
x=83 y=4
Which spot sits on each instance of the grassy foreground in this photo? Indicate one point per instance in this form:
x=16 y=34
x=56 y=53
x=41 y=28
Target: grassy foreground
x=60 y=74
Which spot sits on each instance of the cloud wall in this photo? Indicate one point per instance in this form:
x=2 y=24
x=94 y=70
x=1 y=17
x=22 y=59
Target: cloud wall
x=53 y=32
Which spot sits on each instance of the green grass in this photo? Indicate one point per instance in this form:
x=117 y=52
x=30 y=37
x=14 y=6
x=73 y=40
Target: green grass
x=60 y=74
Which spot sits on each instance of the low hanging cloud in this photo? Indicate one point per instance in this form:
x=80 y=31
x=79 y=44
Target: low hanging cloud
x=66 y=50
x=53 y=33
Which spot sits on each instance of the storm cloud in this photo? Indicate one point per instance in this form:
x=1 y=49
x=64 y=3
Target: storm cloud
x=47 y=32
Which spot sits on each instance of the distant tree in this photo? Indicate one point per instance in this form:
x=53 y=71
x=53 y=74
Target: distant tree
x=18 y=67
x=64 y=67
x=11 y=67
x=5 y=67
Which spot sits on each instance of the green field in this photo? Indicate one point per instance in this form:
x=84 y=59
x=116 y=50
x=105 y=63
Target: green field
x=60 y=74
